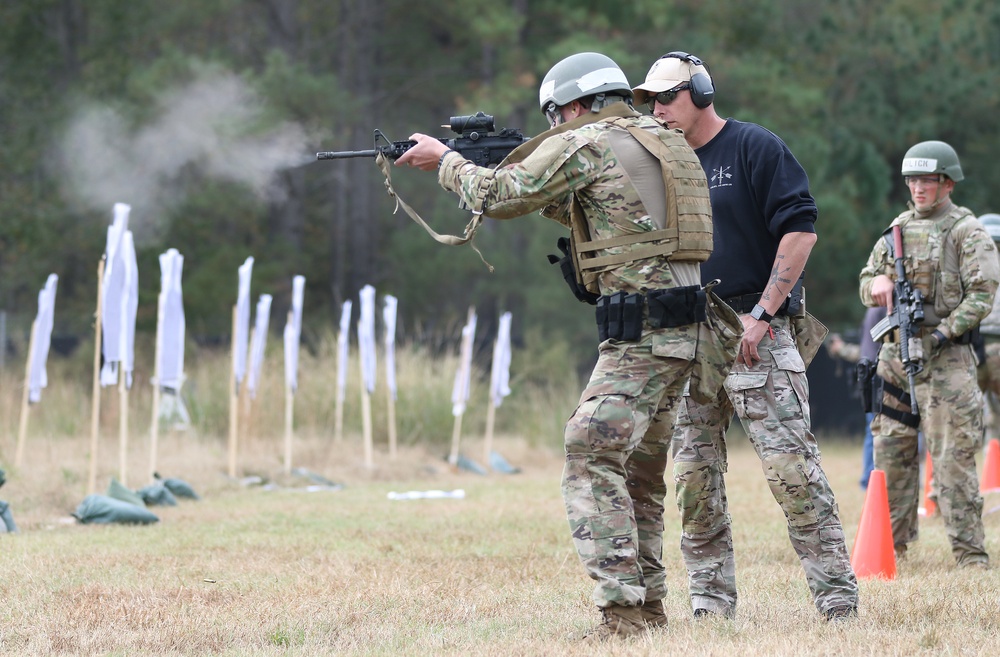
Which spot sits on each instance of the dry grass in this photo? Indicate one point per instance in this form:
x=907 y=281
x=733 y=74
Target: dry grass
x=282 y=571
x=248 y=571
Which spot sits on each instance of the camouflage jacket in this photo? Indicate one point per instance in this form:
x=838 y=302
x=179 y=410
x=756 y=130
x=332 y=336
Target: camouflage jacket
x=577 y=163
x=950 y=258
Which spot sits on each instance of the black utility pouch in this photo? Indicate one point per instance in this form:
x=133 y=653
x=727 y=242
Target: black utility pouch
x=602 y=317
x=678 y=306
x=865 y=370
x=616 y=305
x=619 y=317
x=632 y=318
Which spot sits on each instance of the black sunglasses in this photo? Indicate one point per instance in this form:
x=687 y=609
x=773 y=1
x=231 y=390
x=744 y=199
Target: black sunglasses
x=668 y=96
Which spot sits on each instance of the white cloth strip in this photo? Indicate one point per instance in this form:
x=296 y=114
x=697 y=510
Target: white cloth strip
x=366 y=337
x=37 y=374
x=256 y=355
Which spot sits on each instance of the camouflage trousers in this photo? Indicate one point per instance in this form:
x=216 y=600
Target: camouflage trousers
x=772 y=401
x=613 y=481
x=951 y=418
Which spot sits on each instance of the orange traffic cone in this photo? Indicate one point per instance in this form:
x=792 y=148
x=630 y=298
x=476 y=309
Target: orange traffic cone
x=929 y=505
x=991 y=468
x=873 y=554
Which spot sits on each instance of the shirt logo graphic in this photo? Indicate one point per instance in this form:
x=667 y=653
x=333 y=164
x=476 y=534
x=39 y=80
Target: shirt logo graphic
x=721 y=174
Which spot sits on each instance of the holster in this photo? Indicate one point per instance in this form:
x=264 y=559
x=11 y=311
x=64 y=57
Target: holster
x=865 y=372
x=569 y=272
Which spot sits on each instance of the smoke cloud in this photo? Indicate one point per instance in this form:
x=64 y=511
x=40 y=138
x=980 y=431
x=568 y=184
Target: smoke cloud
x=211 y=124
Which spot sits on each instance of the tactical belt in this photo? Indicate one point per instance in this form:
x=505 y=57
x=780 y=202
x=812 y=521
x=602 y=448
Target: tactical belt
x=620 y=316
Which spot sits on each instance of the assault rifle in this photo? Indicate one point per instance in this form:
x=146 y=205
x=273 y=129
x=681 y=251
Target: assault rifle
x=907 y=315
x=476 y=142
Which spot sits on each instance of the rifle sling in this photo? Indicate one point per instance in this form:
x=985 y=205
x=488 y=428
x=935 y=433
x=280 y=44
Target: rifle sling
x=451 y=240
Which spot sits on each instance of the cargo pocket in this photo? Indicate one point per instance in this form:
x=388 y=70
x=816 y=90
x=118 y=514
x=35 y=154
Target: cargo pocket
x=748 y=393
x=675 y=343
x=791 y=396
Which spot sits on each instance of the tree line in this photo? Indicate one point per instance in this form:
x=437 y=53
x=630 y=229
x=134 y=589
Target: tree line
x=204 y=115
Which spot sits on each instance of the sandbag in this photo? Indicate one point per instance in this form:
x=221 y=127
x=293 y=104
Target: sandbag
x=8 y=520
x=101 y=509
x=178 y=487
x=118 y=491
x=157 y=495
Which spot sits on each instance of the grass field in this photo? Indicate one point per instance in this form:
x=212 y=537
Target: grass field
x=251 y=571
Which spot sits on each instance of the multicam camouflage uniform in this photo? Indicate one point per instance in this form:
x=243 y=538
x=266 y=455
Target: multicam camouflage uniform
x=958 y=272
x=771 y=399
x=613 y=483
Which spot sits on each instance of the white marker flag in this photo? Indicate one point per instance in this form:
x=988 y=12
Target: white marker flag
x=242 y=336
x=366 y=337
x=256 y=356
x=38 y=377
x=293 y=331
x=389 y=320
x=130 y=306
x=463 y=377
x=500 y=374
x=112 y=293
x=343 y=344
x=172 y=323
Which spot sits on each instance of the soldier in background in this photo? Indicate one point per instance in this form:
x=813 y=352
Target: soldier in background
x=989 y=359
x=864 y=354
x=952 y=261
x=764 y=219
x=602 y=171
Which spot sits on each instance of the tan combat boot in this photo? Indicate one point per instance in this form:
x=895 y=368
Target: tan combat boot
x=653 y=614
x=618 y=621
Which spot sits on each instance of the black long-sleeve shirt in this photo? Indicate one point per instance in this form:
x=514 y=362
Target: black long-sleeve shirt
x=759 y=193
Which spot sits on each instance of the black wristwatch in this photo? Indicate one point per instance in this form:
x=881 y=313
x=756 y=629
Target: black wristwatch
x=758 y=312
x=939 y=338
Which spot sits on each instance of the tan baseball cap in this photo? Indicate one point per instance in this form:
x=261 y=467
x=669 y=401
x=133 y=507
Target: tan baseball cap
x=665 y=74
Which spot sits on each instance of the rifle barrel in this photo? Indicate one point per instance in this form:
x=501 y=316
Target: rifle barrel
x=343 y=155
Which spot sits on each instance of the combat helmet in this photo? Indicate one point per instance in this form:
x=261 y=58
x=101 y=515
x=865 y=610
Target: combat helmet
x=930 y=157
x=992 y=223
x=581 y=75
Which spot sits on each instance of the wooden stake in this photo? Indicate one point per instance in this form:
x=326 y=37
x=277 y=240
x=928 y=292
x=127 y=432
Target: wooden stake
x=491 y=413
x=289 y=412
x=95 y=406
x=22 y=431
x=456 y=438
x=154 y=429
x=247 y=419
x=123 y=424
x=338 y=420
x=366 y=419
x=391 y=408
x=464 y=358
x=234 y=403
